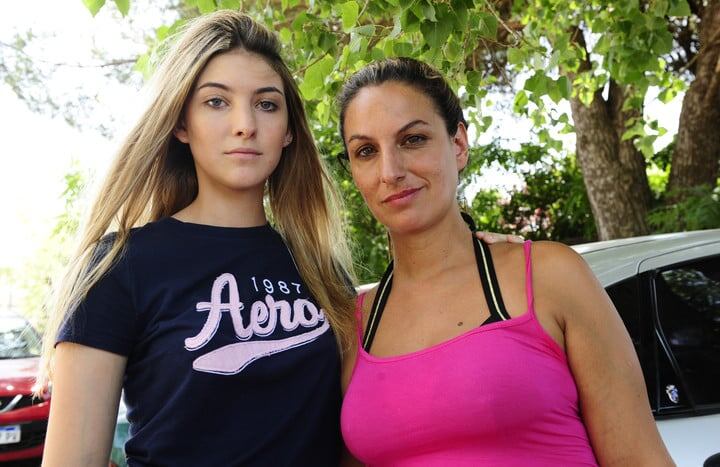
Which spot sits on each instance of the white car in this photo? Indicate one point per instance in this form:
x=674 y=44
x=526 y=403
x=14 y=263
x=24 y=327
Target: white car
x=667 y=291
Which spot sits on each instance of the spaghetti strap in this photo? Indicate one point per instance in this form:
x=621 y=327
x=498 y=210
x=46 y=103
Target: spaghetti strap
x=528 y=276
x=358 y=315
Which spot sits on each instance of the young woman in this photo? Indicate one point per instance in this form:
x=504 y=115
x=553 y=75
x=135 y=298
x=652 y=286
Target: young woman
x=222 y=331
x=469 y=355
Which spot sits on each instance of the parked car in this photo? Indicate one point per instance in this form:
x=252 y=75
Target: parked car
x=23 y=418
x=667 y=291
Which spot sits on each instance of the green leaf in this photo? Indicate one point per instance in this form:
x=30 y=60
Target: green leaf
x=403 y=49
x=564 y=86
x=488 y=26
x=473 y=79
x=436 y=34
x=285 y=35
x=662 y=42
x=679 y=8
x=429 y=12
x=94 y=5
x=397 y=26
x=366 y=30
x=143 y=66
x=327 y=41
x=553 y=91
x=537 y=83
x=516 y=56
x=377 y=53
x=314 y=79
x=123 y=6
x=452 y=50
x=229 y=4
x=349 y=12
x=520 y=102
x=206 y=6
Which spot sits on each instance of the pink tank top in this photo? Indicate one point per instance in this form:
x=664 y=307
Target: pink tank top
x=498 y=395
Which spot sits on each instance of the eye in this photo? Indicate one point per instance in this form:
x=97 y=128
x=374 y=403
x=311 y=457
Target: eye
x=216 y=102
x=268 y=106
x=364 y=151
x=415 y=140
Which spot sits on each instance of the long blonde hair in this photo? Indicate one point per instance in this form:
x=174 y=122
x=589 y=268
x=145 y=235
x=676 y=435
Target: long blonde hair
x=153 y=176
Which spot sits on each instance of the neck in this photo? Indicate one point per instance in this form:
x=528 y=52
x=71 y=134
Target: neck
x=424 y=255
x=234 y=209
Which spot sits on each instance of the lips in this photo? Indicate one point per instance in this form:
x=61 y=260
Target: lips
x=243 y=152
x=400 y=195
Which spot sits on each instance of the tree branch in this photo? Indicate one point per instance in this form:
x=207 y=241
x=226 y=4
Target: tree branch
x=111 y=63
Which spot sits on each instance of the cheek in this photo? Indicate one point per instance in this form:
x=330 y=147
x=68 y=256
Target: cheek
x=363 y=181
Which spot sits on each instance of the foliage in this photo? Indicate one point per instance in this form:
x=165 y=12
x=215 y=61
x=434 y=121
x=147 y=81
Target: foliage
x=698 y=209
x=552 y=204
x=38 y=276
x=577 y=48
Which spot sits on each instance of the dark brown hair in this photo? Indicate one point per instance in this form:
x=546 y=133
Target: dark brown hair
x=415 y=73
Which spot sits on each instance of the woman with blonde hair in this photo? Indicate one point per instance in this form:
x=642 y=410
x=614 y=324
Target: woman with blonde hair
x=222 y=331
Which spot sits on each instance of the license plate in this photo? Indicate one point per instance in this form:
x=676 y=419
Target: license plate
x=9 y=434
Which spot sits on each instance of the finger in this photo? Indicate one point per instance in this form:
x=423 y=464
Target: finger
x=489 y=237
x=515 y=239
x=484 y=236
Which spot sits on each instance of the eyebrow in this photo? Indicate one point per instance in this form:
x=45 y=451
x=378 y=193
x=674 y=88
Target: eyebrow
x=224 y=87
x=404 y=128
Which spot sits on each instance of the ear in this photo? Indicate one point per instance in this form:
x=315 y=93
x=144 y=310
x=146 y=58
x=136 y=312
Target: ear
x=461 y=146
x=181 y=133
x=288 y=139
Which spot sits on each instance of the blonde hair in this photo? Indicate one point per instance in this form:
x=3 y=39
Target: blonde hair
x=153 y=176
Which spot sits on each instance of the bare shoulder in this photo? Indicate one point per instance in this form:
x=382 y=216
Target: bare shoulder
x=555 y=265
x=508 y=258
x=552 y=262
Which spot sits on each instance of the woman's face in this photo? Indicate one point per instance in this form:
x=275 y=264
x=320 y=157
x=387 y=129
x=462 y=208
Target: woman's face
x=401 y=157
x=236 y=123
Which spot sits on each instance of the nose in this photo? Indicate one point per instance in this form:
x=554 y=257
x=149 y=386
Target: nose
x=244 y=122
x=392 y=165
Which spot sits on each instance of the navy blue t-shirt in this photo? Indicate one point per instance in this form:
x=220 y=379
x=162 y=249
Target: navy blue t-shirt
x=230 y=360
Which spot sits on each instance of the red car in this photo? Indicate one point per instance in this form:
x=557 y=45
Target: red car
x=23 y=418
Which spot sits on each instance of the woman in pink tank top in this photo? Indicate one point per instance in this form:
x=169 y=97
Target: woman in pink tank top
x=462 y=357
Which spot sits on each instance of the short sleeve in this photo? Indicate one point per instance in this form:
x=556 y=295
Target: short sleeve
x=105 y=319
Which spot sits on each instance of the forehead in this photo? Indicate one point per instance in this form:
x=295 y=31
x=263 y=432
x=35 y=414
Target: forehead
x=240 y=69
x=387 y=107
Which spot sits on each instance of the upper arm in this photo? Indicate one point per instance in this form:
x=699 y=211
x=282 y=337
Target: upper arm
x=86 y=393
x=613 y=398
x=350 y=354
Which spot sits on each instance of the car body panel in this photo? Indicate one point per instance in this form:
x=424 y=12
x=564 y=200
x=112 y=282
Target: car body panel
x=687 y=438
x=615 y=260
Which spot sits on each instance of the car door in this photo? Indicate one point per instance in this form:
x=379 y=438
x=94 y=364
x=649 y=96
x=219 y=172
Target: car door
x=685 y=303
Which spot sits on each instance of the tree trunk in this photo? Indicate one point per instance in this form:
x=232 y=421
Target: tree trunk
x=697 y=149
x=613 y=170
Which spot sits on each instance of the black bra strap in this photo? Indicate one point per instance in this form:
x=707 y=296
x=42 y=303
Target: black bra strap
x=378 y=306
x=488 y=280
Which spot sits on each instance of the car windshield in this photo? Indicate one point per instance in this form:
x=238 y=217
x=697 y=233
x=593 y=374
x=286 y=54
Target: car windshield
x=18 y=339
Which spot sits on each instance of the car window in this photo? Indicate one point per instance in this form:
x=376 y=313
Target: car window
x=18 y=339
x=625 y=296
x=688 y=305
